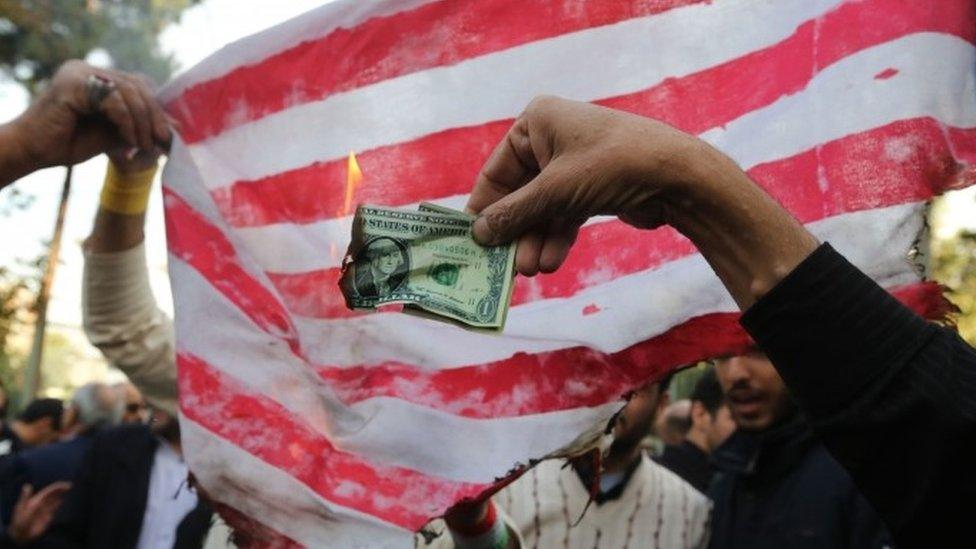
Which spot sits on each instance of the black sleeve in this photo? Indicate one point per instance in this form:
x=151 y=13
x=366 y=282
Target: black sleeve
x=69 y=529
x=866 y=529
x=13 y=475
x=892 y=396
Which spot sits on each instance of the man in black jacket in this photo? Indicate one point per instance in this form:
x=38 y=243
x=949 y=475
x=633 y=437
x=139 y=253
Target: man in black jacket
x=133 y=492
x=93 y=406
x=776 y=485
x=711 y=425
x=890 y=395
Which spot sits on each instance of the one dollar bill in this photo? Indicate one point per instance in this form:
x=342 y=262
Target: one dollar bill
x=427 y=260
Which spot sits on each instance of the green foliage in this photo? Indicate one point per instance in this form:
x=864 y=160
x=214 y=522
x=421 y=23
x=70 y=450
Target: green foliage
x=37 y=36
x=954 y=265
x=62 y=356
x=683 y=382
x=16 y=298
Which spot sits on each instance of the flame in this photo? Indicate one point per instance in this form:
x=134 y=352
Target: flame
x=354 y=176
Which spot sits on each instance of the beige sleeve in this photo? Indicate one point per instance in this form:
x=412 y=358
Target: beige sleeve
x=123 y=321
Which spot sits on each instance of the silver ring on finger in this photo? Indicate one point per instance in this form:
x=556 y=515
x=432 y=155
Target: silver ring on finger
x=98 y=88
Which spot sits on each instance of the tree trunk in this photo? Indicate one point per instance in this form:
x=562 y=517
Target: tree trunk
x=32 y=375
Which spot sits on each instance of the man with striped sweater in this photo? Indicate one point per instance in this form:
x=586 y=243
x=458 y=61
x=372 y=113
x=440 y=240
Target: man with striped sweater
x=634 y=502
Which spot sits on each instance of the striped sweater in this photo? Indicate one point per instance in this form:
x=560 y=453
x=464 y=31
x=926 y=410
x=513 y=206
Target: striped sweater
x=656 y=509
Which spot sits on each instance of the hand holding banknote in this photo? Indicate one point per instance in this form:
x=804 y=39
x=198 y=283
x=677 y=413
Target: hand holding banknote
x=564 y=161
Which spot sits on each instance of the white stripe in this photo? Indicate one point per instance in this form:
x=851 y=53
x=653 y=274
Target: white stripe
x=181 y=176
x=453 y=447
x=936 y=78
x=479 y=450
x=633 y=308
x=499 y=85
x=309 y=26
x=267 y=494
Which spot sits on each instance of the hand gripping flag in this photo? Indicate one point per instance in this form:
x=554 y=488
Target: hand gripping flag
x=334 y=428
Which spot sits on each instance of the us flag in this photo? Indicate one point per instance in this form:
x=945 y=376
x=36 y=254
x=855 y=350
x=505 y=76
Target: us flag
x=326 y=427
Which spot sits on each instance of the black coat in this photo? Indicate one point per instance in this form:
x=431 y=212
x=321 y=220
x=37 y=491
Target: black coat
x=890 y=395
x=105 y=506
x=39 y=467
x=690 y=463
x=782 y=489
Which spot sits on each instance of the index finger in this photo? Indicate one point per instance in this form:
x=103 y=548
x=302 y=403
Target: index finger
x=511 y=165
x=54 y=489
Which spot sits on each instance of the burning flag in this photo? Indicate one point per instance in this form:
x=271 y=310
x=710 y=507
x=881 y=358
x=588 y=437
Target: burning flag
x=333 y=428
x=354 y=176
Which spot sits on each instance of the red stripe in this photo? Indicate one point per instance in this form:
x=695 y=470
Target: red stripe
x=568 y=378
x=203 y=246
x=445 y=163
x=559 y=380
x=903 y=162
x=964 y=148
x=434 y=35
x=268 y=431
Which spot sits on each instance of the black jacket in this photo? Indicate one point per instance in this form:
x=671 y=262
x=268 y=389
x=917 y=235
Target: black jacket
x=105 y=506
x=690 y=463
x=781 y=489
x=40 y=467
x=891 y=396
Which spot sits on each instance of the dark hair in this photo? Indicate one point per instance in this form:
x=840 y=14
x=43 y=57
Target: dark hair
x=665 y=383
x=679 y=424
x=708 y=391
x=42 y=408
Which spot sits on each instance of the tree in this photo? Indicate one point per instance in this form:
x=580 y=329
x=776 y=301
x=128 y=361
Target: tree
x=18 y=290
x=36 y=37
x=954 y=265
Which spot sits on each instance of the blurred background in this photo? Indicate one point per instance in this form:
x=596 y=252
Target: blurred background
x=160 y=38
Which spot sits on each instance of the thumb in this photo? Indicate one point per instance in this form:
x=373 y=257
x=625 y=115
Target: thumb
x=518 y=212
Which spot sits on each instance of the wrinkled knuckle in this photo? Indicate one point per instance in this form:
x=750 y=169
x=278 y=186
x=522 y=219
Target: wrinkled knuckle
x=125 y=85
x=499 y=219
x=145 y=80
x=542 y=104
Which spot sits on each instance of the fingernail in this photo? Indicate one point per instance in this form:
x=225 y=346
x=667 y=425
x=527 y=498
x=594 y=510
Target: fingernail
x=131 y=153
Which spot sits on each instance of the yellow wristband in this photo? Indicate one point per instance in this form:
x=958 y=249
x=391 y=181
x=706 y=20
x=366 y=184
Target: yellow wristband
x=126 y=193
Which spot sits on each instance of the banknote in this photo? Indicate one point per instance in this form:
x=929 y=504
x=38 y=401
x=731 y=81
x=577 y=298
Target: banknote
x=437 y=208
x=427 y=260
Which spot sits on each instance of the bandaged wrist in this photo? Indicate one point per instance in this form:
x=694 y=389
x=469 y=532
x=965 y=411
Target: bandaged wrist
x=491 y=532
x=126 y=193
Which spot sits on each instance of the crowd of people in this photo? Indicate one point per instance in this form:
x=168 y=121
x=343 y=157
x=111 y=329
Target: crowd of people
x=850 y=423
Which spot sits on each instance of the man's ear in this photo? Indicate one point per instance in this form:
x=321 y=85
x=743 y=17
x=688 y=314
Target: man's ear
x=698 y=412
